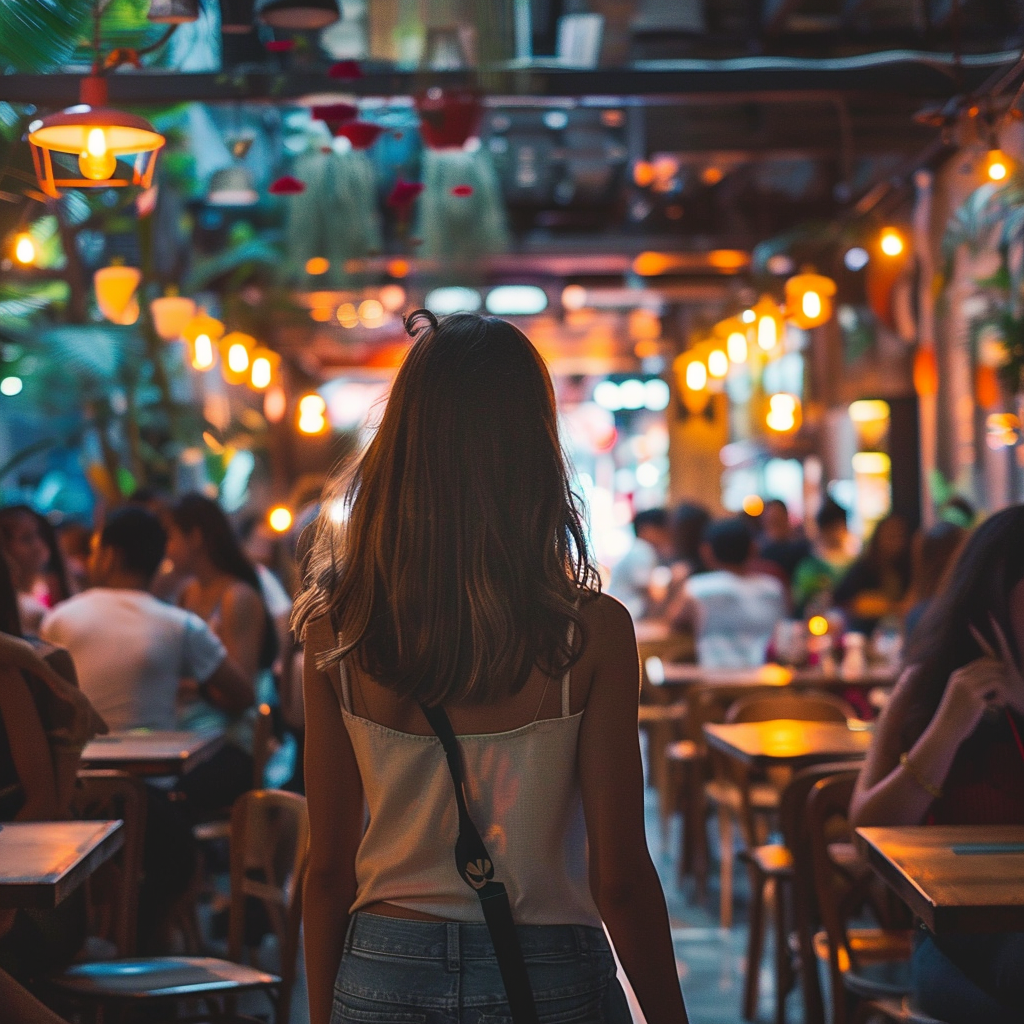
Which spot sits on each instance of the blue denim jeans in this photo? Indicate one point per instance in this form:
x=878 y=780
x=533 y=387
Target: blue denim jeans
x=395 y=971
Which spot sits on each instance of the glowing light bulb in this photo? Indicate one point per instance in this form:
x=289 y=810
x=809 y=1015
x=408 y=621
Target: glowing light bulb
x=997 y=167
x=96 y=142
x=748 y=316
x=261 y=372
x=280 y=519
x=810 y=304
x=718 y=363
x=24 y=249
x=238 y=358
x=753 y=505
x=767 y=333
x=891 y=242
x=736 y=346
x=782 y=412
x=696 y=376
x=818 y=625
x=202 y=352
x=311 y=414
x=96 y=162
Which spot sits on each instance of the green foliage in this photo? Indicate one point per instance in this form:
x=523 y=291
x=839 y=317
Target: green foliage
x=41 y=35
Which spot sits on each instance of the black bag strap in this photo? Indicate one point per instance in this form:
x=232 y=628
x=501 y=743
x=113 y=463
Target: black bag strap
x=474 y=864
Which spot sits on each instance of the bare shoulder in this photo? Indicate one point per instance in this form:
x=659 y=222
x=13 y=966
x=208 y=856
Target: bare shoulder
x=242 y=599
x=608 y=622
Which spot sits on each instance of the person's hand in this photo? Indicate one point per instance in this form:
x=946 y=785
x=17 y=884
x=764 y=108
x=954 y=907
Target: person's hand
x=1004 y=655
x=979 y=686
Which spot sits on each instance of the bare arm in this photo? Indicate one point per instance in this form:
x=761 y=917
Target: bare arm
x=30 y=749
x=229 y=688
x=623 y=880
x=242 y=623
x=891 y=793
x=335 y=794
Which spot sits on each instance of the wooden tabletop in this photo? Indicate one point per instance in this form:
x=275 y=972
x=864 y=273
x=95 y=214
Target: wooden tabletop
x=41 y=862
x=955 y=878
x=672 y=674
x=786 y=741
x=152 y=753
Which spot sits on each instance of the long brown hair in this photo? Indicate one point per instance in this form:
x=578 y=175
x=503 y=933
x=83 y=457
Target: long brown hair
x=462 y=555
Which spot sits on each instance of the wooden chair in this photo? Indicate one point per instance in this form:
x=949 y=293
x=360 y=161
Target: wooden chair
x=745 y=801
x=664 y=724
x=105 y=795
x=783 y=870
x=865 y=965
x=269 y=840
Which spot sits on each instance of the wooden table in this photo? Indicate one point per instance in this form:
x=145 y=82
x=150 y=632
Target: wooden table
x=786 y=741
x=152 y=753
x=955 y=878
x=673 y=675
x=42 y=862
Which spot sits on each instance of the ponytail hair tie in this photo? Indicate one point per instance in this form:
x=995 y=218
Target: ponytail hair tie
x=419 y=320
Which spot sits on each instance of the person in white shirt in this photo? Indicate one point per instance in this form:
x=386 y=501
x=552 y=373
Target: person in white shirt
x=631 y=578
x=732 y=610
x=130 y=649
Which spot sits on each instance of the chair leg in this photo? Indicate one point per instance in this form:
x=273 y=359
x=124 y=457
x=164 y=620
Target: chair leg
x=697 y=831
x=783 y=963
x=755 y=942
x=726 y=855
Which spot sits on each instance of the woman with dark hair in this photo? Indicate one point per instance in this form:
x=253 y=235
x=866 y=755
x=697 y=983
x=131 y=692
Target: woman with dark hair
x=459 y=590
x=948 y=750
x=224 y=591
x=35 y=561
x=932 y=553
x=875 y=586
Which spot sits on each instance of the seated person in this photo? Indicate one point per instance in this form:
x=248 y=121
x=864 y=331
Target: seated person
x=947 y=750
x=131 y=650
x=816 y=575
x=732 y=610
x=652 y=546
x=780 y=543
x=874 y=587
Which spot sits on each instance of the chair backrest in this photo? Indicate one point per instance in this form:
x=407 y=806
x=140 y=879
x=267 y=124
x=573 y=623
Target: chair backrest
x=262 y=734
x=804 y=707
x=844 y=885
x=104 y=795
x=269 y=849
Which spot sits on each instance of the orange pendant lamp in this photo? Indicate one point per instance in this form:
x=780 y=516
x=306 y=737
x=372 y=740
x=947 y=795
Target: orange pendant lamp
x=100 y=137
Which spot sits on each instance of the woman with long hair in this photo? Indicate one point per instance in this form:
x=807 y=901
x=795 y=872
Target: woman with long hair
x=458 y=586
x=36 y=562
x=224 y=591
x=875 y=586
x=948 y=750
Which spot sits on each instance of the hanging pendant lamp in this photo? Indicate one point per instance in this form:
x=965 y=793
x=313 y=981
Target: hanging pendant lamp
x=98 y=136
x=297 y=15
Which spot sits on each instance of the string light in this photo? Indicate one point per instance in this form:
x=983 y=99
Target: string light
x=280 y=519
x=783 y=413
x=891 y=242
x=312 y=414
x=736 y=346
x=718 y=363
x=202 y=352
x=997 y=166
x=696 y=376
x=25 y=249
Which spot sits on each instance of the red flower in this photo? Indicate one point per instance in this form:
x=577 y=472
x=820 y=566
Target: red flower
x=280 y=45
x=362 y=134
x=462 y=190
x=346 y=70
x=334 y=114
x=287 y=186
x=404 y=194
x=447 y=119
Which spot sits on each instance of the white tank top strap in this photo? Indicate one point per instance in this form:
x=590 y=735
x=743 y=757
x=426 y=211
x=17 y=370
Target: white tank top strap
x=565 y=679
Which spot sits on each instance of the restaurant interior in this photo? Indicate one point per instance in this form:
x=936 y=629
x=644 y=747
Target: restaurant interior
x=772 y=255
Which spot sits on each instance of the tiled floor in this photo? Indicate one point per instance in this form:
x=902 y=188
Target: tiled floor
x=711 y=959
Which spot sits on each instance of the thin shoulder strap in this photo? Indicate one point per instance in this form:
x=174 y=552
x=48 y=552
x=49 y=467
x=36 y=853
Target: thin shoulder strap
x=327 y=640
x=565 y=678
x=346 y=688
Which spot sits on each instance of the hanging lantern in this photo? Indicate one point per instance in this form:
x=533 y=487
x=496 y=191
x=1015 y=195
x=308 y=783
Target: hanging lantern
x=98 y=136
x=447 y=119
x=768 y=323
x=263 y=368
x=173 y=12
x=203 y=353
x=926 y=372
x=784 y=413
x=236 y=17
x=986 y=387
x=202 y=324
x=809 y=299
x=236 y=356
x=171 y=315
x=297 y=15
x=115 y=292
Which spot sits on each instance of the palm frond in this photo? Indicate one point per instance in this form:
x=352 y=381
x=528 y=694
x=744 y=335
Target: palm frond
x=41 y=35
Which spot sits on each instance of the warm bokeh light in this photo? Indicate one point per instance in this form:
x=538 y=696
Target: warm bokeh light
x=115 y=289
x=392 y=297
x=809 y=299
x=997 y=165
x=736 y=346
x=818 y=625
x=753 y=504
x=718 y=363
x=574 y=296
x=867 y=410
x=347 y=315
x=696 y=375
x=321 y=314
x=371 y=313
x=25 y=249
x=891 y=242
x=312 y=414
x=238 y=358
x=398 y=268
x=203 y=324
x=783 y=412
x=280 y=519
x=263 y=367
x=317 y=265
x=171 y=315
x=767 y=333
x=96 y=162
x=871 y=464
x=275 y=404
x=748 y=316
x=202 y=352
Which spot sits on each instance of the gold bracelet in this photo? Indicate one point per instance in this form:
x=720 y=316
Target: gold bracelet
x=935 y=792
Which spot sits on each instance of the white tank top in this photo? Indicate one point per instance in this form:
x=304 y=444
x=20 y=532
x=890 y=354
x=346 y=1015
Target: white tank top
x=523 y=792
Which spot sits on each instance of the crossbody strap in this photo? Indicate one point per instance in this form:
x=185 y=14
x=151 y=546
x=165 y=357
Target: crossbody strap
x=474 y=864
